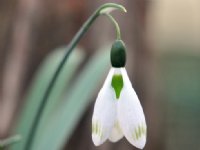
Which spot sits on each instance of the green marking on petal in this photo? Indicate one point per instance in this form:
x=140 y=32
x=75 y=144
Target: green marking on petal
x=139 y=131
x=117 y=84
x=136 y=134
x=143 y=129
x=96 y=129
x=133 y=136
x=118 y=126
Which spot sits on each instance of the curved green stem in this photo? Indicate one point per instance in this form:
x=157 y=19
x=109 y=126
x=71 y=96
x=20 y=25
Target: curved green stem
x=104 y=9
x=115 y=24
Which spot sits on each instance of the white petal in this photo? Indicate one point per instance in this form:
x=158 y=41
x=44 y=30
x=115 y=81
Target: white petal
x=130 y=114
x=104 y=114
x=116 y=133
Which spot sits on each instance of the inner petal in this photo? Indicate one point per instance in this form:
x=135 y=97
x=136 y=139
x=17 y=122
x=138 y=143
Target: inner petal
x=116 y=133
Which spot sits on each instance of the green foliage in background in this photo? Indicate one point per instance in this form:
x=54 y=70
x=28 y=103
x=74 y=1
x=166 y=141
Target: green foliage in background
x=39 y=86
x=9 y=141
x=65 y=118
x=180 y=78
x=67 y=102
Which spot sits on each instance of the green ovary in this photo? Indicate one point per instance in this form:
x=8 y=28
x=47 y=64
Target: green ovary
x=117 y=84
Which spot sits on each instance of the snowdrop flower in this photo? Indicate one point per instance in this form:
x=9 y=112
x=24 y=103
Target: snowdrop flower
x=117 y=111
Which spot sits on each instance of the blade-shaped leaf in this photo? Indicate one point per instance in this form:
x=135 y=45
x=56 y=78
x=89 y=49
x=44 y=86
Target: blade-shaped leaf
x=38 y=87
x=66 y=117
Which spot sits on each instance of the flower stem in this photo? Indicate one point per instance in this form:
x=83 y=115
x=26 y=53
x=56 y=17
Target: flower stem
x=115 y=24
x=101 y=10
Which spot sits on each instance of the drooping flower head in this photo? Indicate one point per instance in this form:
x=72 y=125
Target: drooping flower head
x=117 y=111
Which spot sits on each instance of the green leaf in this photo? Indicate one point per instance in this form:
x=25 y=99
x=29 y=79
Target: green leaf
x=65 y=118
x=39 y=86
x=11 y=140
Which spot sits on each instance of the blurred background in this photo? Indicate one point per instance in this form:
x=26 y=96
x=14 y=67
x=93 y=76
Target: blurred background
x=163 y=49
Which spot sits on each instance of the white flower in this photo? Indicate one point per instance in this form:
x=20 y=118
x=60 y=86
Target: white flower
x=118 y=112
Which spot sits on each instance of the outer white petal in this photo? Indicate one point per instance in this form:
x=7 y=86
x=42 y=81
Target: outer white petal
x=104 y=114
x=130 y=114
x=116 y=133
